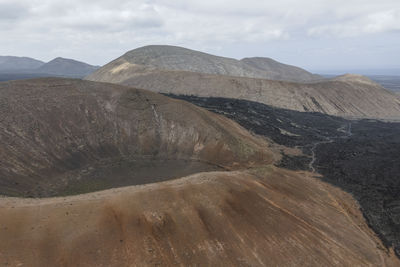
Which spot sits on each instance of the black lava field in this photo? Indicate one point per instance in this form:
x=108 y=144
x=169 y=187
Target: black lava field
x=360 y=156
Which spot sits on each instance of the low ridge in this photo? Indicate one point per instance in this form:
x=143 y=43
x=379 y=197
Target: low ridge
x=344 y=96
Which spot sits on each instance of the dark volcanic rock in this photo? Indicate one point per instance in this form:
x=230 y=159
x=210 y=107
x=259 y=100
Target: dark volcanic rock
x=368 y=165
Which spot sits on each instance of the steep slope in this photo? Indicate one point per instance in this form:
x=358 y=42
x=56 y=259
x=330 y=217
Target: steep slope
x=66 y=67
x=178 y=58
x=57 y=135
x=348 y=96
x=18 y=64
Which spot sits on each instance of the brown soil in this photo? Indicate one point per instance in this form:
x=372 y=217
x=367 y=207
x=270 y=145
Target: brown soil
x=265 y=217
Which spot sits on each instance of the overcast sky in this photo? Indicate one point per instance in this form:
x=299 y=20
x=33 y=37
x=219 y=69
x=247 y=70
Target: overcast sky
x=314 y=34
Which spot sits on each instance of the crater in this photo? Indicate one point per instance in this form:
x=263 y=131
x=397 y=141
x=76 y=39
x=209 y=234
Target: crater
x=113 y=173
x=63 y=137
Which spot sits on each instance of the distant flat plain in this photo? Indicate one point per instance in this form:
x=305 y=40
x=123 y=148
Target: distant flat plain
x=389 y=82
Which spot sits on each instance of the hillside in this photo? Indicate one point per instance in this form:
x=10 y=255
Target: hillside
x=267 y=217
x=178 y=58
x=347 y=96
x=18 y=64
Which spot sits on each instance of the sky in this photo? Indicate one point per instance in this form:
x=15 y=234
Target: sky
x=318 y=35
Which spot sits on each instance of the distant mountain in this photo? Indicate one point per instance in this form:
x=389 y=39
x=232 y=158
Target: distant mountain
x=174 y=58
x=18 y=64
x=18 y=68
x=66 y=68
x=390 y=82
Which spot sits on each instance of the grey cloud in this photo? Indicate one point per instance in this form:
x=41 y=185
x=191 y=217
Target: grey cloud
x=377 y=22
x=12 y=11
x=84 y=28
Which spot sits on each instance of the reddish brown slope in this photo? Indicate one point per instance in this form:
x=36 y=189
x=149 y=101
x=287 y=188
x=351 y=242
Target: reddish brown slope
x=273 y=218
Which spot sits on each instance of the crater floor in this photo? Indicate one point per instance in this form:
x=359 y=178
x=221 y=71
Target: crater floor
x=107 y=174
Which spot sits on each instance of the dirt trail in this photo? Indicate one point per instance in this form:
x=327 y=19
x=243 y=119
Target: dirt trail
x=329 y=139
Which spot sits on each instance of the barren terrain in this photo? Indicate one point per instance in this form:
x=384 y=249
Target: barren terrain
x=62 y=137
x=348 y=96
x=181 y=71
